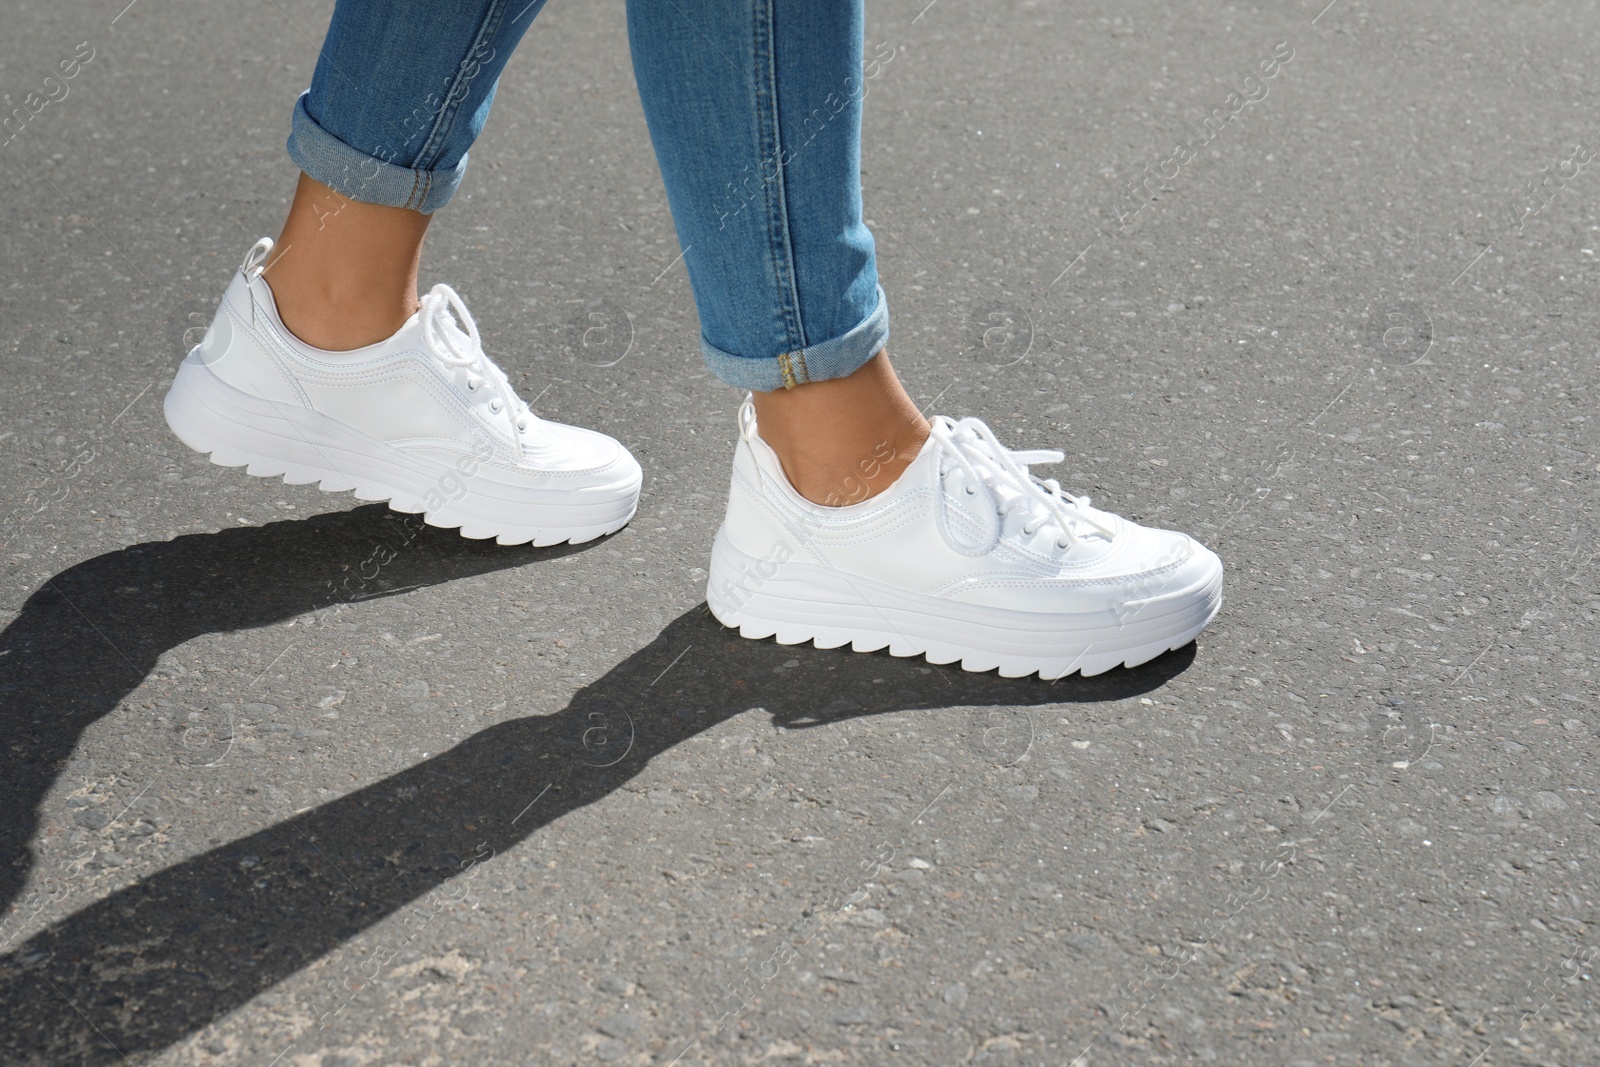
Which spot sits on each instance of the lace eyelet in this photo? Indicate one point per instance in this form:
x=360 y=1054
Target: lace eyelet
x=472 y=387
x=971 y=491
x=1063 y=545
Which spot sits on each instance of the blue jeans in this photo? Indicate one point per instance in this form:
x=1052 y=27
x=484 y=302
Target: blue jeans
x=754 y=109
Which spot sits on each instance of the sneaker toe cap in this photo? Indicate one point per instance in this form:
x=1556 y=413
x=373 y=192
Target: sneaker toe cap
x=1166 y=566
x=561 y=449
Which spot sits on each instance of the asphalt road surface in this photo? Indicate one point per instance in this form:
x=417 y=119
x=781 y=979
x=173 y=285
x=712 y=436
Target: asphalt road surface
x=268 y=799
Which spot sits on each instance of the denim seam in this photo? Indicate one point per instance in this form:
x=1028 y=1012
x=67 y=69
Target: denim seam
x=839 y=356
x=769 y=128
x=426 y=178
x=452 y=106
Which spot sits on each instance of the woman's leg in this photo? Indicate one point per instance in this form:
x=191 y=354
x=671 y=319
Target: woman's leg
x=942 y=543
x=401 y=90
x=344 y=273
x=422 y=416
x=755 y=113
x=843 y=440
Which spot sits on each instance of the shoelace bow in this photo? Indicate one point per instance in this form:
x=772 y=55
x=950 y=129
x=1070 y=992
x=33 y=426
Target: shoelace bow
x=1004 y=477
x=445 y=321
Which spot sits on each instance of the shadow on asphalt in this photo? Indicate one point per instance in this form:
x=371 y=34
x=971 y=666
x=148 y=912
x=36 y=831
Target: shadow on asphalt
x=92 y=634
x=153 y=963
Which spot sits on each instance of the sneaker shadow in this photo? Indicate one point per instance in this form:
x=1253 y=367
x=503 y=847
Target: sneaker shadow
x=155 y=962
x=93 y=633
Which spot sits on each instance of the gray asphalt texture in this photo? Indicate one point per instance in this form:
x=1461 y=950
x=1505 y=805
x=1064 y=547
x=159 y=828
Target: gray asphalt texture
x=267 y=800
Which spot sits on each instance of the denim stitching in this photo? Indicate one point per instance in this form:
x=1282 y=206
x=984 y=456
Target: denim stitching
x=427 y=156
x=769 y=133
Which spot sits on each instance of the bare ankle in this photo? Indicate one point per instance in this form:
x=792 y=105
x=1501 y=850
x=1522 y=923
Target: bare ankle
x=344 y=273
x=336 y=323
x=844 y=440
x=840 y=477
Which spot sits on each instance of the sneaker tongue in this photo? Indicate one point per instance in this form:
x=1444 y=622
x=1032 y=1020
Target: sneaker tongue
x=452 y=338
x=458 y=337
x=1024 y=506
x=456 y=344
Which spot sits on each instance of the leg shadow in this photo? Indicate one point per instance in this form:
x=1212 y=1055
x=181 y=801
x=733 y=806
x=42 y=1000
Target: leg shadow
x=155 y=962
x=92 y=634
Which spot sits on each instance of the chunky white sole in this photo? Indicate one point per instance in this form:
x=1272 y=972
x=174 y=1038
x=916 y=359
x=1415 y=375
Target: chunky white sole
x=301 y=446
x=798 y=602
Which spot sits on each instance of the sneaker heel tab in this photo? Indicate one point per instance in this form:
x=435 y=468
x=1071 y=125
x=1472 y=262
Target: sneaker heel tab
x=747 y=436
x=747 y=417
x=255 y=259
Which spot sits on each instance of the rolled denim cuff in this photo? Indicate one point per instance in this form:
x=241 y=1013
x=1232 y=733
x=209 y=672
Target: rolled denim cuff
x=835 y=358
x=365 y=178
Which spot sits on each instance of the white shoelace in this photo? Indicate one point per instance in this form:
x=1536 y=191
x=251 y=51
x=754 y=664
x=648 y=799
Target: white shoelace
x=1003 y=476
x=452 y=337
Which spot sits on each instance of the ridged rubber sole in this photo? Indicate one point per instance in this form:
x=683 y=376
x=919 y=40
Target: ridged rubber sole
x=797 y=602
x=302 y=446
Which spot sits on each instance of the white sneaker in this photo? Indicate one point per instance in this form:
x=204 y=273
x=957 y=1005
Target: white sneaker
x=424 y=420
x=966 y=557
